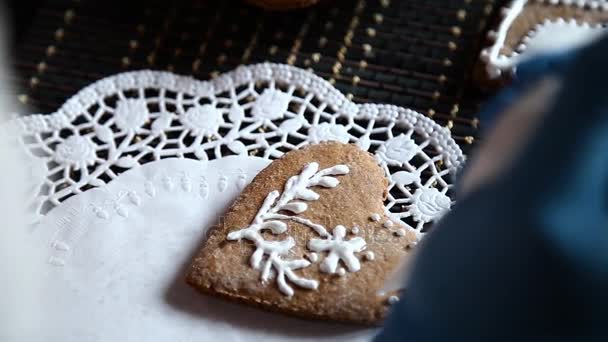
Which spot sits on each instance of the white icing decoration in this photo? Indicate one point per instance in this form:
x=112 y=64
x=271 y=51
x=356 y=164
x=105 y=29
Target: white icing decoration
x=130 y=115
x=388 y=224
x=355 y=230
x=271 y=105
x=169 y=132
x=548 y=36
x=202 y=120
x=400 y=232
x=328 y=132
x=393 y=300
x=341 y=272
x=297 y=189
x=313 y=257
x=429 y=204
x=76 y=151
x=398 y=150
x=339 y=249
x=375 y=217
x=369 y=255
x=403 y=178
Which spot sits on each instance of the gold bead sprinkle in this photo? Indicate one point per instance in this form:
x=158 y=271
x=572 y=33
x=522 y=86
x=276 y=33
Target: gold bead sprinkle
x=41 y=67
x=50 y=50
x=34 y=82
x=461 y=15
x=68 y=16
x=59 y=34
x=469 y=139
x=378 y=18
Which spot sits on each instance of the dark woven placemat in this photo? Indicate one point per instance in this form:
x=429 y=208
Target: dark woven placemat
x=413 y=53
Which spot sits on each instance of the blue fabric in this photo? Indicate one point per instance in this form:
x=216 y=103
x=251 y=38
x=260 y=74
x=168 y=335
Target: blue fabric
x=528 y=254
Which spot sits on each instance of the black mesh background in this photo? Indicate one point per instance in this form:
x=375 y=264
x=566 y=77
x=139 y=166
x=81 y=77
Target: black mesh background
x=414 y=53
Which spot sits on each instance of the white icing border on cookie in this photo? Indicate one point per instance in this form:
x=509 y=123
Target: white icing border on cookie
x=497 y=63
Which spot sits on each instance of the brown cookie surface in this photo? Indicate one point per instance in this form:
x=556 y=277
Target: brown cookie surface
x=348 y=205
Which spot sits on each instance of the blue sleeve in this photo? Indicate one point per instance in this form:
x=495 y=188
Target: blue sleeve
x=528 y=254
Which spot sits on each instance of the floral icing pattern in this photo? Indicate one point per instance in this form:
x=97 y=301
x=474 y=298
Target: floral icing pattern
x=261 y=110
x=204 y=120
x=327 y=132
x=131 y=114
x=292 y=199
x=429 y=204
x=76 y=151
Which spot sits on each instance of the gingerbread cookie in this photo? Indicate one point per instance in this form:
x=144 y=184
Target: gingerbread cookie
x=532 y=27
x=308 y=237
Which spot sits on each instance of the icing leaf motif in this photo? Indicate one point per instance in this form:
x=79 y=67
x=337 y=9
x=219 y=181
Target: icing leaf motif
x=96 y=182
x=277 y=227
x=295 y=207
x=237 y=147
x=291 y=125
x=104 y=133
x=161 y=123
x=201 y=154
x=406 y=178
x=339 y=249
x=364 y=142
x=236 y=114
x=126 y=162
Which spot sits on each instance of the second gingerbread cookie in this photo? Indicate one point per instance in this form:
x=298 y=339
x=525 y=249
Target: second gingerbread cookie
x=308 y=237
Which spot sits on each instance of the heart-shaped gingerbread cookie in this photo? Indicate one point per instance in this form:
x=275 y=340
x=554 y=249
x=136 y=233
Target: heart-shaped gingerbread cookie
x=308 y=237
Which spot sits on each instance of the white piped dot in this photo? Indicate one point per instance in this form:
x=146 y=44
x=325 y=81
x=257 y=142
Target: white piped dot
x=355 y=230
x=393 y=300
x=400 y=232
x=313 y=257
x=369 y=255
x=341 y=271
x=388 y=224
x=375 y=217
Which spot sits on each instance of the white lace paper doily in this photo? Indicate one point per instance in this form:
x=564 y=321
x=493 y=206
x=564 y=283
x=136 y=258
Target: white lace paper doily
x=115 y=259
x=265 y=110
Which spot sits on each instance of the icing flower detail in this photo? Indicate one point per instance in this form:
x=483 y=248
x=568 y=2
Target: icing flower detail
x=429 y=204
x=270 y=218
x=398 y=150
x=339 y=249
x=76 y=151
x=271 y=105
x=202 y=120
x=131 y=114
x=327 y=131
